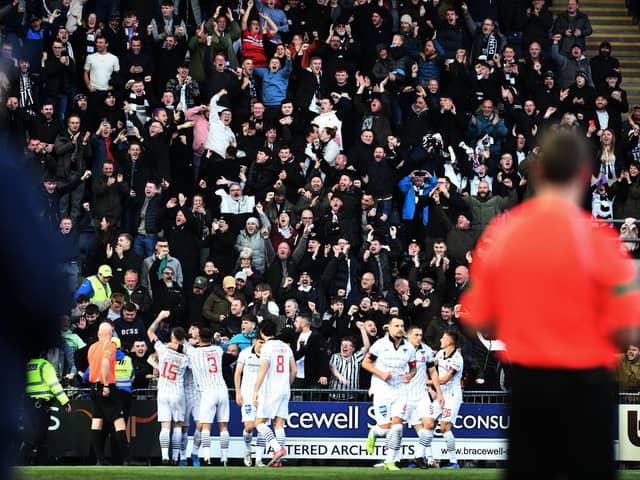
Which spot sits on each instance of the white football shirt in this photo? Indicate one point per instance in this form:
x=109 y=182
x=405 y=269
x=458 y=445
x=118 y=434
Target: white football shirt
x=171 y=368
x=206 y=365
x=388 y=358
x=455 y=363
x=276 y=382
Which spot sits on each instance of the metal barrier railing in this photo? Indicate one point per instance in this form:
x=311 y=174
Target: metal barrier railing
x=329 y=395
x=312 y=394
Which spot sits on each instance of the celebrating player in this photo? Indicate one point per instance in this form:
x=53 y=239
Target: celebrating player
x=206 y=364
x=450 y=365
x=171 y=365
x=191 y=406
x=419 y=406
x=273 y=388
x=392 y=363
x=246 y=374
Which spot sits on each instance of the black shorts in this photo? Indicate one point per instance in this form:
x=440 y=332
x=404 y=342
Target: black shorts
x=562 y=424
x=107 y=408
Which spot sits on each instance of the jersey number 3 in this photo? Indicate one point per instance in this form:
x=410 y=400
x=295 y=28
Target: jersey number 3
x=213 y=363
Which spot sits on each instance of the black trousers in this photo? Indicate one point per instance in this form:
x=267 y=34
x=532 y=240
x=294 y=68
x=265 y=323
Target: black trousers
x=36 y=424
x=562 y=424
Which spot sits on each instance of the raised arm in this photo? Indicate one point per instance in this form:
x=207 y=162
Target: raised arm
x=151 y=332
x=245 y=15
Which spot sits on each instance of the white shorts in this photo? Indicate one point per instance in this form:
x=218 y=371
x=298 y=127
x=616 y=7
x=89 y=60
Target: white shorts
x=170 y=408
x=214 y=405
x=385 y=408
x=449 y=412
x=249 y=411
x=191 y=405
x=272 y=407
x=417 y=410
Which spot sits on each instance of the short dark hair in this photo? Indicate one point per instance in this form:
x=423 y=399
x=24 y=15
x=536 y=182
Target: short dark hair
x=455 y=336
x=92 y=309
x=179 y=333
x=130 y=307
x=563 y=156
x=267 y=329
x=206 y=334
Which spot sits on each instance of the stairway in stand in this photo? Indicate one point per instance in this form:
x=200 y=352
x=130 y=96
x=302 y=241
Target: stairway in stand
x=610 y=22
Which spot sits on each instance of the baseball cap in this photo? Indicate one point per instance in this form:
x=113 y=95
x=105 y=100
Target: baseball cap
x=241 y=276
x=200 y=282
x=117 y=342
x=413 y=240
x=428 y=280
x=228 y=281
x=105 y=271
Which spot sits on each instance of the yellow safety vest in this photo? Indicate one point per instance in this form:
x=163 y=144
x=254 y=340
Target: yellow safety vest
x=43 y=383
x=124 y=372
x=101 y=292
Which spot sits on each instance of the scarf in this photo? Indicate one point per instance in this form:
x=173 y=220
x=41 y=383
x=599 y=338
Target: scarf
x=490 y=46
x=26 y=95
x=163 y=264
x=285 y=232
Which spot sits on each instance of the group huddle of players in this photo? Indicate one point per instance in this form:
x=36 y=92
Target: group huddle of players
x=410 y=385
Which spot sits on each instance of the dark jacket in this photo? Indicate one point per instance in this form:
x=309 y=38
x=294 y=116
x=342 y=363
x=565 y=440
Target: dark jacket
x=316 y=362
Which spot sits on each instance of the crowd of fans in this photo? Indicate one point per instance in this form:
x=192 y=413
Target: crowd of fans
x=325 y=164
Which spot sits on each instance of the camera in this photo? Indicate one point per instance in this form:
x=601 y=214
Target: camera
x=433 y=141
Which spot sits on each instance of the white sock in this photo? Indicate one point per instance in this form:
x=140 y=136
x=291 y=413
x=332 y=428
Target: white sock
x=380 y=432
x=280 y=436
x=428 y=452
x=395 y=441
x=183 y=445
x=260 y=444
x=197 y=437
x=247 y=436
x=224 y=445
x=205 y=443
x=176 y=443
x=269 y=438
x=451 y=446
x=165 y=439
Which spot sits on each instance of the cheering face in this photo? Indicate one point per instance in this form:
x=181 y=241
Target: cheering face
x=346 y=349
x=632 y=353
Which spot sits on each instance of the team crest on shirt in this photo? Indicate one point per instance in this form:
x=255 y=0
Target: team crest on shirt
x=383 y=410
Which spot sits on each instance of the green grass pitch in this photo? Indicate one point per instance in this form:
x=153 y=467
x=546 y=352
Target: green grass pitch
x=241 y=473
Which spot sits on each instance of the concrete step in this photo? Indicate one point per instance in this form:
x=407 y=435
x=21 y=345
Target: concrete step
x=611 y=20
x=619 y=35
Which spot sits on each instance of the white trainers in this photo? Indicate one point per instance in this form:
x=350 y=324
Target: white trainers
x=259 y=463
x=247 y=458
